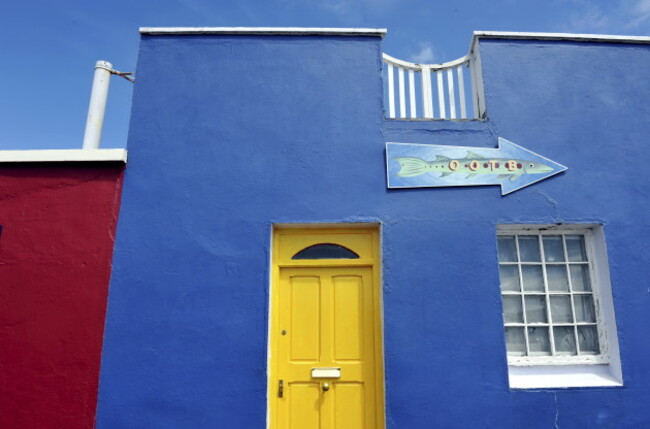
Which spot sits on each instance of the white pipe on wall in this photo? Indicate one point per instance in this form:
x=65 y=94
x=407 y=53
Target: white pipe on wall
x=97 y=107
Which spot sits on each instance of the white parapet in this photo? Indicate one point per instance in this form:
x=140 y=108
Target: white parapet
x=64 y=155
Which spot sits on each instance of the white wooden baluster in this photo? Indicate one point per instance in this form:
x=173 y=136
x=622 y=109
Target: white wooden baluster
x=461 y=91
x=452 y=94
x=472 y=73
x=414 y=113
x=441 y=96
x=391 y=92
x=402 y=101
x=427 y=102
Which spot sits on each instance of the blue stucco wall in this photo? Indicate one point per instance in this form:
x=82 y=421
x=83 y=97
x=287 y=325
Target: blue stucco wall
x=230 y=134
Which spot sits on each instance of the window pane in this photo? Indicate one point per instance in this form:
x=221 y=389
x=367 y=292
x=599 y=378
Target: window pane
x=535 y=309
x=557 y=278
x=553 y=249
x=565 y=340
x=584 y=305
x=512 y=311
x=538 y=341
x=580 y=278
x=529 y=248
x=509 y=275
x=588 y=340
x=515 y=342
x=507 y=249
x=575 y=247
x=325 y=251
x=561 y=309
x=532 y=278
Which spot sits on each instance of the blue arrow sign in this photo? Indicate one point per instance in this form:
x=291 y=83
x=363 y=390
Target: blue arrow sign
x=410 y=165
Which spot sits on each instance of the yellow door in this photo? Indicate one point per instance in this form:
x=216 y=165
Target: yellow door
x=325 y=342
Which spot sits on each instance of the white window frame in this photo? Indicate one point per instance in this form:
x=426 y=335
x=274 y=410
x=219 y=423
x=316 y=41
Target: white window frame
x=573 y=371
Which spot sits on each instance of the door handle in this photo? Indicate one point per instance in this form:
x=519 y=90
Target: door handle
x=280 y=388
x=326 y=387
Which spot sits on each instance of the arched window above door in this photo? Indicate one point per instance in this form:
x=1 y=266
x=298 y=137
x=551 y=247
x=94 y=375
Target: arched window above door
x=325 y=251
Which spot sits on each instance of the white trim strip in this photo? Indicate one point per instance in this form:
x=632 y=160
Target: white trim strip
x=561 y=36
x=288 y=31
x=64 y=155
x=557 y=36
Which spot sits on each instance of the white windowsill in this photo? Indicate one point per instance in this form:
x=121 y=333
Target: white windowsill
x=548 y=377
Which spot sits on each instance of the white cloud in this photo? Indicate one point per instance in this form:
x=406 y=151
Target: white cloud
x=201 y=9
x=589 y=20
x=426 y=54
x=642 y=9
x=616 y=17
x=380 y=3
x=359 y=7
x=340 y=6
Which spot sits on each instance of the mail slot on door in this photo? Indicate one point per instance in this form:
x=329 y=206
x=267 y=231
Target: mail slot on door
x=326 y=373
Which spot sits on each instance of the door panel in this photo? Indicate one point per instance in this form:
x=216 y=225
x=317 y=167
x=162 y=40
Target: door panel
x=348 y=317
x=349 y=409
x=326 y=318
x=305 y=318
x=304 y=399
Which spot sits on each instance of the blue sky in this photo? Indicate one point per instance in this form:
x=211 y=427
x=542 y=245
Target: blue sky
x=48 y=48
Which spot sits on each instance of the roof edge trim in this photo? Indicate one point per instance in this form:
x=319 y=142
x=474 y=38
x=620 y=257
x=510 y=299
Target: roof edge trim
x=285 y=31
x=64 y=155
x=570 y=37
x=560 y=36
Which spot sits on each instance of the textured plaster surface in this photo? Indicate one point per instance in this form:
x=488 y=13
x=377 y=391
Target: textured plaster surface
x=232 y=134
x=58 y=223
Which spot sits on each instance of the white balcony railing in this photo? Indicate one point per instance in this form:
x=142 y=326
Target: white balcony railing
x=411 y=94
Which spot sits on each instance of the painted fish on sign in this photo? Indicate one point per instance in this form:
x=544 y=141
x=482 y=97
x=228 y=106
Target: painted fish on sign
x=509 y=165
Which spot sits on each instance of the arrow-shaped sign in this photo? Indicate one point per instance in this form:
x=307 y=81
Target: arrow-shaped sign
x=410 y=165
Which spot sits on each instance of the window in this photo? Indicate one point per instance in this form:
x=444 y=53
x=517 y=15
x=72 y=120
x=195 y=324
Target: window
x=326 y=251
x=557 y=305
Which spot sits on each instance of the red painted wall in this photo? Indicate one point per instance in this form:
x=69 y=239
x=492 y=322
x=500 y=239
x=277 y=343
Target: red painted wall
x=58 y=227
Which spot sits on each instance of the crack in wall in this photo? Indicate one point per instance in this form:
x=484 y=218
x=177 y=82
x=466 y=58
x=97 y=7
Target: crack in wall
x=551 y=201
x=557 y=411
